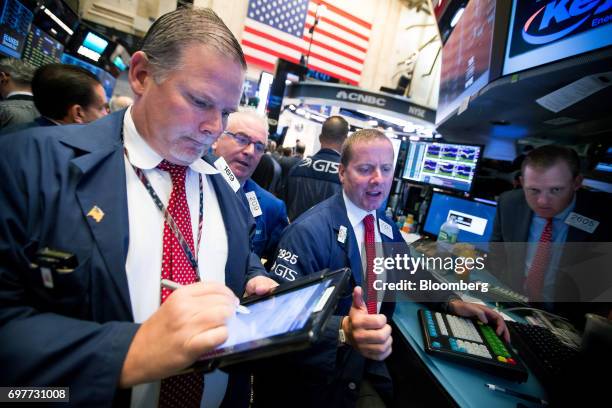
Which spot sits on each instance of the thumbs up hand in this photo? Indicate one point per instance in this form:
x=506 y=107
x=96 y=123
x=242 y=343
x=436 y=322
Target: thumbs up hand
x=367 y=333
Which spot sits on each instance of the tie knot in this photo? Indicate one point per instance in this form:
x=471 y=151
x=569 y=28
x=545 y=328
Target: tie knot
x=368 y=222
x=176 y=171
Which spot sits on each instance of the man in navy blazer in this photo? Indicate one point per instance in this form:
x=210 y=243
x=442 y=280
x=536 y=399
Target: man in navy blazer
x=243 y=145
x=331 y=235
x=95 y=323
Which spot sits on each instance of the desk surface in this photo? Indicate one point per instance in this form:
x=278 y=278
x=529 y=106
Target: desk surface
x=464 y=384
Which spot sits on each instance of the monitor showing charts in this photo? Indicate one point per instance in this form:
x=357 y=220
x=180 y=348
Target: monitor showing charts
x=41 y=49
x=474 y=218
x=15 y=21
x=445 y=165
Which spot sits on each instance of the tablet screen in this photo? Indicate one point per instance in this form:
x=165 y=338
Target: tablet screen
x=281 y=314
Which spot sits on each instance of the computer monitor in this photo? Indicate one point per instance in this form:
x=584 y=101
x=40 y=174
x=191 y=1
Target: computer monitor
x=15 y=20
x=41 y=49
x=474 y=218
x=92 y=46
x=445 y=165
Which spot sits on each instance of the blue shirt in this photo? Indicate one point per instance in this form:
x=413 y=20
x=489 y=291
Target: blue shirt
x=559 y=235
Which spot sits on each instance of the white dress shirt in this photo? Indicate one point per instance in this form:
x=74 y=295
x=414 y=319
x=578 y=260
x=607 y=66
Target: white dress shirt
x=356 y=216
x=146 y=226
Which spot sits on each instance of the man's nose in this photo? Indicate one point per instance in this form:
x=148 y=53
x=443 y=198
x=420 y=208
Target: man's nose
x=543 y=198
x=376 y=176
x=212 y=123
x=249 y=149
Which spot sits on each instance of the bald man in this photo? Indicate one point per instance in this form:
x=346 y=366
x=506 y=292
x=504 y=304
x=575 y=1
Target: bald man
x=242 y=145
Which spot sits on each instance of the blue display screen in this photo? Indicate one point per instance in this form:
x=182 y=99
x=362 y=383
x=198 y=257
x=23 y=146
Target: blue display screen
x=107 y=80
x=474 y=219
x=95 y=43
x=118 y=62
x=15 y=20
x=444 y=165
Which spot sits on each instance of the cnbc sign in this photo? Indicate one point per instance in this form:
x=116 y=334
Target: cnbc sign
x=539 y=23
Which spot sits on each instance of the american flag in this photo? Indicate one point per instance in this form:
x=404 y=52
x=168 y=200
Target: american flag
x=279 y=29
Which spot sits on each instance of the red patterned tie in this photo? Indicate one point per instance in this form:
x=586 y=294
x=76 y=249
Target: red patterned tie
x=181 y=390
x=370 y=248
x=539 y=264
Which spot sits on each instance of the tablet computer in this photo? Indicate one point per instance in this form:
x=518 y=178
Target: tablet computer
x=288 y=319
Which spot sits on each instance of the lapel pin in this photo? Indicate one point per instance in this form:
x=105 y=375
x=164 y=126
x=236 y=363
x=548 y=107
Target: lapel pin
x=96 y=213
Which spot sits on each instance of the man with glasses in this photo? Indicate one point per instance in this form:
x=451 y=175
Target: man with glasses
x=242 y=145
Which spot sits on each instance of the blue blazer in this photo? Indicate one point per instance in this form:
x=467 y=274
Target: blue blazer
x=270 y=224
x=326 y=371
x=77 y=333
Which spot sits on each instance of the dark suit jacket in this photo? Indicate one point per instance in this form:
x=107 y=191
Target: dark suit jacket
x=77 y=333
x=512 y=224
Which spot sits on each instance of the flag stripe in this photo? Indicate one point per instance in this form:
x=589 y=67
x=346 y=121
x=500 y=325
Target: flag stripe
x=311 y=15
x=324 y=27
x=320 y=32
x=344 y=14
x=267 y=66
x=317 y=44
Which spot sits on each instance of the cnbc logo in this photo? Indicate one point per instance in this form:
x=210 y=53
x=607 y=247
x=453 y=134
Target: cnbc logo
x=560 y=18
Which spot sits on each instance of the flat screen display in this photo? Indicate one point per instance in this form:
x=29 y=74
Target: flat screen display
x=466 y=57
x=41 y=49
x=278 y=315
x=95 y=42
x=445 y=165
x=474 y=219
x=547 y=31
x=15 y=20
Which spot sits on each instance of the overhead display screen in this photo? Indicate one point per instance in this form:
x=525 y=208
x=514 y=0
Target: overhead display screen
x=41 y=49
x=466 y=57
x=545 y=31
x=15 y=20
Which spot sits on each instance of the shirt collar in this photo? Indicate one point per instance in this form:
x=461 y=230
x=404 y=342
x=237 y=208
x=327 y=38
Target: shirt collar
x=354 y=213
x=19 y=93
x=143 y=156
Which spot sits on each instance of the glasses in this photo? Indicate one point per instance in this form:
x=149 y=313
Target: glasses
x=243 y=140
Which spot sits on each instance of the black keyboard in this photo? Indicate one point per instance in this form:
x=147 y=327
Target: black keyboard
x=542 y=351
x=469 y=342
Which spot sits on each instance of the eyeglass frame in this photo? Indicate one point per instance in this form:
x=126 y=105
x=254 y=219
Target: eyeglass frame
x=237 y=136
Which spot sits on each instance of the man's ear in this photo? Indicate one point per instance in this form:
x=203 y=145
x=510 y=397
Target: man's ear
x=341 y=171
x=75 y=114
x=139 y=73
x=578 y=181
